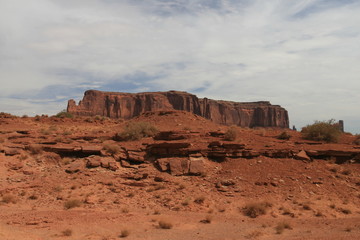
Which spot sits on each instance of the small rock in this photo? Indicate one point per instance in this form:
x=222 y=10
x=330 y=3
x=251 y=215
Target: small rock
x=16 y=166
x=113 y=166
x=93 y=162
x=273 y=184
x=125 y=164
x=74 y=167
x=105 y=162
x=228 y=183
x=11 y=152
x=159 y=179
x=163 y=164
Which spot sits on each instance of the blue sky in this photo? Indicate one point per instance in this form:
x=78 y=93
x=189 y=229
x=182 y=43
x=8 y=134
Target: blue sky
x=303 y=55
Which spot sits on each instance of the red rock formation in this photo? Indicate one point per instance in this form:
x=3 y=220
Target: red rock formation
x=129 y=105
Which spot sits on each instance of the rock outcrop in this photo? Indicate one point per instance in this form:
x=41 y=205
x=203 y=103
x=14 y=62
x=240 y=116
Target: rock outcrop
x=129 y=105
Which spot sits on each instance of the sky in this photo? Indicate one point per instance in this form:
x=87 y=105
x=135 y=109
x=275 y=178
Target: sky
x=303 y=55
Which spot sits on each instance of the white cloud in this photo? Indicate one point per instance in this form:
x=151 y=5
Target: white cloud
x=303 y=54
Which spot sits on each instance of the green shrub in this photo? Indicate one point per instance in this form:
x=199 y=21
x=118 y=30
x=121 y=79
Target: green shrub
x=322 y=131
x=64 y=114
x=136 y=131
x=231 y=134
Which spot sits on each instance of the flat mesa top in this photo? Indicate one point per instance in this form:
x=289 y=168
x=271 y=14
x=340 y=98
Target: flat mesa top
x=174 y=92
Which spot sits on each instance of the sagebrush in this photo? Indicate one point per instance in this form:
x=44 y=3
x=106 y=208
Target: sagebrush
x=64 y=114
x=327 y=131
x=136 y=131
x=231 y=134
x=256 y=209
x=284 y=136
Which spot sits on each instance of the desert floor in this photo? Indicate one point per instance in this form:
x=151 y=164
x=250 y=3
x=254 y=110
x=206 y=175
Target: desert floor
x=49 y=190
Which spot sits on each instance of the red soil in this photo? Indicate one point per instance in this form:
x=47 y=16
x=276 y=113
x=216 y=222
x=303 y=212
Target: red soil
x=319 y=199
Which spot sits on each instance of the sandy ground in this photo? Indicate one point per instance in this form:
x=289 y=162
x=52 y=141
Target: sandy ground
x=306 y=200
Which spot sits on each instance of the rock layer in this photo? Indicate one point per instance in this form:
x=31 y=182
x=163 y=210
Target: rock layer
x=129 y=105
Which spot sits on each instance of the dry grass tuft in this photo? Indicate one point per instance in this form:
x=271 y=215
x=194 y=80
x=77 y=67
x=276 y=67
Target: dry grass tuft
x=254 y=235
x=231 y=134
x=281 y=227
x=125 y=210
x=199 y=200
x=72 y=203
x=34 y=149
x=346 y=172
x=124 y=233
x=33 y=197
x=345 y=211
x=8 y=198
x=165 y=224
x=284 y=136
x=207 y=219
x=111 y=148
x=306 y=206
x=67 y=232
x=254 y=210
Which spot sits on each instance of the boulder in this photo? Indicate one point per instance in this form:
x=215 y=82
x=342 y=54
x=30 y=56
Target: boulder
x=179 y=166
x=302 y=156
x=135 y=156
x=109 y=163
x=163 y=164
x=93 y=150
x=104 y=162
x=122 y=155
x=197 y=166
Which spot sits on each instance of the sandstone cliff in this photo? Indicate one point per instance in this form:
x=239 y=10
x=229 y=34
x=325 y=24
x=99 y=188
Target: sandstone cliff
x=129 y=105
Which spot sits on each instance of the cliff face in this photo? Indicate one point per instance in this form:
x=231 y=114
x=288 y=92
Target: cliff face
x=129 y=105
